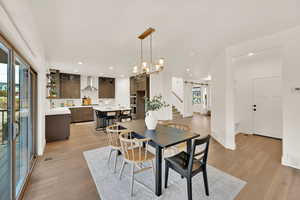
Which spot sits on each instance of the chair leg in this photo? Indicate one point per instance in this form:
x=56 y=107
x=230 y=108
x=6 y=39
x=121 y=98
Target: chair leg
x=122 y=168
x=132 y=180
x=205 y=181
x=109 y=156
x=166 y=174
x=116 y=159
x=189 y=188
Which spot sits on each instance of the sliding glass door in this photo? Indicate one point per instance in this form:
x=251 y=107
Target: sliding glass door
x=17 y=106
x=22 y=119
x=5 y=128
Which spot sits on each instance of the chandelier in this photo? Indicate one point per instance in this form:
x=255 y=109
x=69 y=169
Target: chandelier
x=151 y=67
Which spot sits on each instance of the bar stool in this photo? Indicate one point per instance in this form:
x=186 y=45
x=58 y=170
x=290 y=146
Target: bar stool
x=125 y=115
x=110 y=118
x=99 y=116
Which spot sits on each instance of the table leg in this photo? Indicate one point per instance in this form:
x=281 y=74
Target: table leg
x=188 y=146
x=158 y=169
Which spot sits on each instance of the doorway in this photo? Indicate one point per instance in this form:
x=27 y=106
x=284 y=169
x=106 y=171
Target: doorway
x=267 y=107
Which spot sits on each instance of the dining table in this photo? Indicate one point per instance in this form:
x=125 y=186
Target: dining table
x=160 y=138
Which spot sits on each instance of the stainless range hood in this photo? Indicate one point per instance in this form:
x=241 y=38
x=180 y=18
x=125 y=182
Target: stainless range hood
x=90 y=86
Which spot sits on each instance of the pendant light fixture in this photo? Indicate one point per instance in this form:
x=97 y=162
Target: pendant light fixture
x=145 y=67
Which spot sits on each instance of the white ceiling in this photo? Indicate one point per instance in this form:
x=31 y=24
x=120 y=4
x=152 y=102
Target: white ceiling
x=189 y=33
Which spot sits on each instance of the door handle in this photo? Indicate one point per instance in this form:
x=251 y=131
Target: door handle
x=254 y=109
x=254 y=106
x=15 y=130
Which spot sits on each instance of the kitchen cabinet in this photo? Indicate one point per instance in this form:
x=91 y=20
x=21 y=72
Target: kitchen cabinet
x=57 y=127
x=132 y=86
x=139 y=89
x=69 y=86
x=141 y=84
x=106 y=87
x=82 y=114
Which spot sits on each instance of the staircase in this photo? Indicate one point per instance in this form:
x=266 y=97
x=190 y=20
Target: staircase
x=176 y=114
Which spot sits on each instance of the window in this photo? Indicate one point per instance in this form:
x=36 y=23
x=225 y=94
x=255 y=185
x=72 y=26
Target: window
x=196 y=92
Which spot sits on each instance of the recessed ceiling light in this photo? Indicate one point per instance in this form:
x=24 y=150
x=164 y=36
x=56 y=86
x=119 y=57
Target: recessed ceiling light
x=80 y=63
x=188 y=69
x=251 y=54
x=111 y=67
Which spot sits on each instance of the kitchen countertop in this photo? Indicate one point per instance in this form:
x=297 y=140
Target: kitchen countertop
x=58 y=111
x=66 y=110
x=111 y=108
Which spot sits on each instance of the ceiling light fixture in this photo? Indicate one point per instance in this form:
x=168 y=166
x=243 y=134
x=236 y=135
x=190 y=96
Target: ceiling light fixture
x=80 y=63
x=188 y=70
x=147 y=68
x=251 y=54
x=111 y=67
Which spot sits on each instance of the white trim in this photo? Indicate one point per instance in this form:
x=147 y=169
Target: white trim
x=287 y=161
x=222 y=142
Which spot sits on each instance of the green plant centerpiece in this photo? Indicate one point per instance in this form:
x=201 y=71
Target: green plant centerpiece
x=152 y=105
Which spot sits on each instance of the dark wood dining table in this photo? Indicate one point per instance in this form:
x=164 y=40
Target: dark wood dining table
x=162 y=137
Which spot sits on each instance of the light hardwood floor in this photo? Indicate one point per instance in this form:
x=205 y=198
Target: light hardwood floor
x=256 y=160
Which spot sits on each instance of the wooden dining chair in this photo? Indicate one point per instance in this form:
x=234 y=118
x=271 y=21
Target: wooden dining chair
x=188 y=164
x=135 y=152
x=113 y=132
x=180 y=147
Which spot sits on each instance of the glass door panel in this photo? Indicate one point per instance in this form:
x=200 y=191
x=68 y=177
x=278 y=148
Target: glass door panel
x=22 y=114
x=5 y=136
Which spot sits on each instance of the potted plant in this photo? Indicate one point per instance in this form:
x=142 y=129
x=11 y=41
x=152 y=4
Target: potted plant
x=152 y=105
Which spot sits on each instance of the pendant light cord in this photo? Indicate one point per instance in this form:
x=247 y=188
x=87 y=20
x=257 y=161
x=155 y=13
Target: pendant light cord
x=141 y=52
x=150 y=65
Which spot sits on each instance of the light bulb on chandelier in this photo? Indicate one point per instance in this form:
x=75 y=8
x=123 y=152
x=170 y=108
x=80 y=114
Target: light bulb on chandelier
x=148 y=68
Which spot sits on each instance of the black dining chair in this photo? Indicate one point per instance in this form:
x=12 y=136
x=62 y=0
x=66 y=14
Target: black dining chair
x=189 y=164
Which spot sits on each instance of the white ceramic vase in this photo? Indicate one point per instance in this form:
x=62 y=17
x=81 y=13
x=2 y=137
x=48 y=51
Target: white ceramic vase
x=150 y=120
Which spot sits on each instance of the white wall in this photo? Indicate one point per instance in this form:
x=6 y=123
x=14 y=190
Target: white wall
x=187 y=101
x=222 y=101
x=17 y=25
x=246 y=69
x=123 y=91
x=161 y=84
x=291 y=101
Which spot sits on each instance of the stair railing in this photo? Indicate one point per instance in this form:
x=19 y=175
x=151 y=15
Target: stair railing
x=179 y=99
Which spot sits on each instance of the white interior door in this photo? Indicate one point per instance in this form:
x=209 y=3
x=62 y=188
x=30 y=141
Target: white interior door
x=267 y=107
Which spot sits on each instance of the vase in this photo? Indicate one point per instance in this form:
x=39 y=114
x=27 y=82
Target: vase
x=150 y=120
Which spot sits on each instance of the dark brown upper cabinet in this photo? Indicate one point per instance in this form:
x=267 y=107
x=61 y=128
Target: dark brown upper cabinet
x=106 y=87
x=69 y=86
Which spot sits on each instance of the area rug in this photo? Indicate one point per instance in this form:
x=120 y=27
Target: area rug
x=222 y=186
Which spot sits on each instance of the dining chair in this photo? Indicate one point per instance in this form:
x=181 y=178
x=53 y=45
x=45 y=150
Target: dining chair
x=179 y=147
x=113 y=132
x=188 y=164
x=135 y=152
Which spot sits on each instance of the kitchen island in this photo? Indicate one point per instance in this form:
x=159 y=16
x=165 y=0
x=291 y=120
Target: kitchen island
x=58 y=124
x=106 y=115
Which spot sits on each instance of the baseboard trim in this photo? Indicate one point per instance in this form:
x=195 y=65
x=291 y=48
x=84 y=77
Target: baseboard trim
x=222 y=142
x=290 y=162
